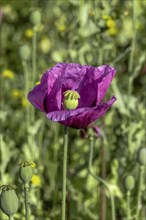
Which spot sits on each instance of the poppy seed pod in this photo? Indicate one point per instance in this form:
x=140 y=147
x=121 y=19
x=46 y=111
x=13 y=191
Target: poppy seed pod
x=141 y=155
x=24 y=52
x=9 y=201
x=70 y=101
x=26 y=171
x=35 y=17
x=129 y=182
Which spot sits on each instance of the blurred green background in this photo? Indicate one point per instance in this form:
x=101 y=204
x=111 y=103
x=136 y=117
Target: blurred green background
x=93 y=32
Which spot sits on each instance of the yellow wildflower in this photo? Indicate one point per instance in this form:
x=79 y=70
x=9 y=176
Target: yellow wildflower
x=112 y=31
x=28 y=33
x=112 y=27
x=25 y=102
x=16 y=93
x=8 y=74
x=61 y=28
x=36 y=180
x=111 y=23
x=45 y=45
x=105 y=17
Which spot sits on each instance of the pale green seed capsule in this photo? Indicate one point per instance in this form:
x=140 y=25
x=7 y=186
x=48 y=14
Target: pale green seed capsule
x=70 y=100
x=141 y=155
x=26 y=174
x=9 y=202
x=129 y=182
x=70 y=104
x=35 y=17
x=24 y=52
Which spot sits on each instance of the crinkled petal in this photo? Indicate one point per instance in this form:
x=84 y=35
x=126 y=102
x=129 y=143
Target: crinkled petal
x=87 y=88
x=64 y=114
x=104 y=82
x=86 y=117
x=94 y=84
x=47 y=96
x=91 y=83
x=37 y=95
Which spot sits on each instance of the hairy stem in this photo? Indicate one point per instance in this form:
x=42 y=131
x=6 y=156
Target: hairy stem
x=128 y=205
x=26 y=201
x=65 y=143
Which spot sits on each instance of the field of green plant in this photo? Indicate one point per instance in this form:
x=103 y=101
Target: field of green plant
x=106 y=175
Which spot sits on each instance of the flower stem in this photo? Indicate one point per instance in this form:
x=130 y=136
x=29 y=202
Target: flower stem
x=133 y=45
x=11 y=218
x=99 y=179
x=34 y=47
x=26 y=77
x=128 y=205
x=26 y=201
x=139 y=192
x=65 y=143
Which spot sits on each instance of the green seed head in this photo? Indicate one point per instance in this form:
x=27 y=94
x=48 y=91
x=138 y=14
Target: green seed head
x=70 y=100
x=129 y=182
x=141 y=155
x=35 y=17
x=26 y=171
x=24 y=52
x=9 y=200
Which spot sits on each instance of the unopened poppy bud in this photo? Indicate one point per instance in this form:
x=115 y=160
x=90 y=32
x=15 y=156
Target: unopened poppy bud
x=70 y=100
x=141 y=155
x=26 y=171
x=129 y=182
x=9 y=200
x=24 y=52
x=35 y=17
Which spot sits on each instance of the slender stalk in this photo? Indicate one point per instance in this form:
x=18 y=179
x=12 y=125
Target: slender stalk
x=26 y=77
x=26 y=201
x=34 y=47
x=65 y=143
x=133 y=45
x=11 y=218
x=128 y=205
x=139 y=192
x=131 y=58
x=100 y=179
x=102 y=189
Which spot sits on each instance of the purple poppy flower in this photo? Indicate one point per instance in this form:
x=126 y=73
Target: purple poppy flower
x=91 y=83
